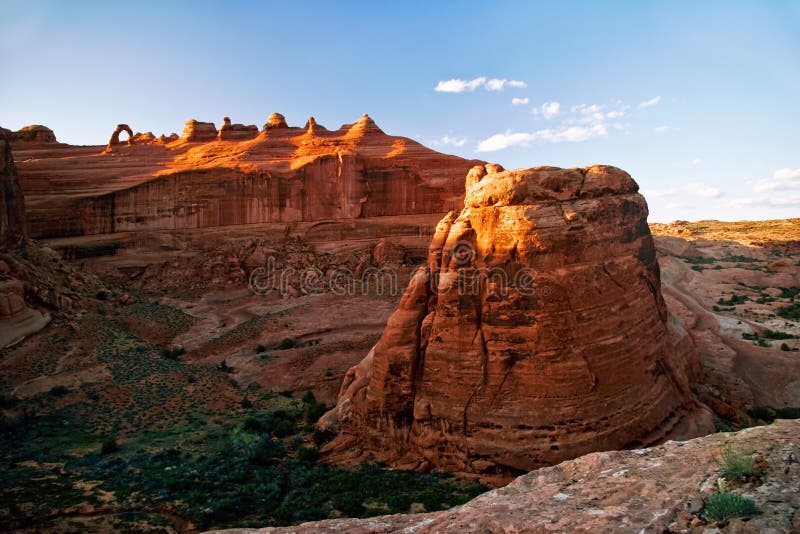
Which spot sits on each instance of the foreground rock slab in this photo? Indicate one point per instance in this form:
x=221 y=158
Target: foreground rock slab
x=659 y=489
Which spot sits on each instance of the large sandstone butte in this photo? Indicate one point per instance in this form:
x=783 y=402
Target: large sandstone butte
x=499 y=376
x=234 y=176
x=12 y=210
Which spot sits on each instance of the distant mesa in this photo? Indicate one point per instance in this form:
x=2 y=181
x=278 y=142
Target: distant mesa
x=275 y=121
x=236 y=132
x=194 y=131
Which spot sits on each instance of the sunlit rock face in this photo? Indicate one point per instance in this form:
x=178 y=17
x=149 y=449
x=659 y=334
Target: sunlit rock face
x=535 y=333
x=236 y=176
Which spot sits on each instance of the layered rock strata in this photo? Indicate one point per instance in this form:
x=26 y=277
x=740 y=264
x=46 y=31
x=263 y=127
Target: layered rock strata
x=535 y=333
x=280 y=175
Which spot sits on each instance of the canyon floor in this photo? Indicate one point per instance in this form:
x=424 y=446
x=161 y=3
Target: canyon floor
x=175 y=398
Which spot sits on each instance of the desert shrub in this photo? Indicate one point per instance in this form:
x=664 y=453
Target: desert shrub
x=109 y=445
x=172 y=353
x=59 y=391
x=787 y=413
x=265 y=451
x=735 y=465
x=773 y=334
x=763 y=413
x=246 y=403
x=287 y=343
x=224 y=367
x=734 y=300
x=789 y=292
x=101 y=295
x=792 y=311
x=698 y=260
x=260 y=349
x=321 y=437
x=725 y=505
x=785 y=347
x=8 y=401
x=307 y=455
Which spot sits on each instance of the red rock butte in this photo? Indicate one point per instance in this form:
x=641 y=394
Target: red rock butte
x=235 y=176
x=483 y=370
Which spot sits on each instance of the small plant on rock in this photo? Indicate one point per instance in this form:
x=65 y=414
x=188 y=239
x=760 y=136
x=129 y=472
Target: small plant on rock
x=735 y=465
x=723 y=506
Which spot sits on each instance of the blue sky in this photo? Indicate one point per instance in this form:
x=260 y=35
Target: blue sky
x=699 y=101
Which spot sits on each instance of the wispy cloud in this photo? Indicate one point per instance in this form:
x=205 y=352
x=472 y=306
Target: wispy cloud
x=455 y=141
x=697 y=161
x=649 y=103
x=785 y=201
x=665 y=129
x=548 y=110
x=457 y=85
x=782 y=179
x=687 y=190
x=565 y=134
x=519 y=101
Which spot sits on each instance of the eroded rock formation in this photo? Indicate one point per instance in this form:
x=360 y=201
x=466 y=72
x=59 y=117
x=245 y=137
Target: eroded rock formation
x=35 y=133
x=536 y=333
x=275 y=121
x=230 y=131
x=196 y=131
x=115 y=136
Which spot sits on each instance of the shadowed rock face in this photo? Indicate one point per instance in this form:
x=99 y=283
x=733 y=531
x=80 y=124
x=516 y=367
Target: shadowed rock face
x=536 y=333
x=12 y=210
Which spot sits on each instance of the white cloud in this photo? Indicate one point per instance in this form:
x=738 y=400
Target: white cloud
x=570 y=134
x=548 y=110
x=519 y=101
x=782 y=179
x=498 y=84
x=786 y=201
x=690 y=190
x=457 y=85
x=649 y=103
x=697 y=161
x=447 y=140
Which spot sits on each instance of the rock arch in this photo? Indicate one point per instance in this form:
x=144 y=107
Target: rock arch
x=115 y=136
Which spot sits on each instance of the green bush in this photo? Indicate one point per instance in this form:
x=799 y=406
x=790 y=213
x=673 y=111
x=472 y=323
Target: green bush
x=59 y=391
x=792 y=311
x=735 y=465
x=172 y=353
x=287 y=343
x=773 y=334
x=109 y=445
x=734 y=300
x=722 y=506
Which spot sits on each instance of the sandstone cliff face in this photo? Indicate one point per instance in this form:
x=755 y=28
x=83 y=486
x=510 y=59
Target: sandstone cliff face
x=237 y=176
x=12 y=209
x=536 y=333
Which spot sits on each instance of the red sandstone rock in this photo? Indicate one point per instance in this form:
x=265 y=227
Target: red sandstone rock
x=275 y=121
x=195 y=131
x=230 y=131
x=35 y=133
x=536 y=333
